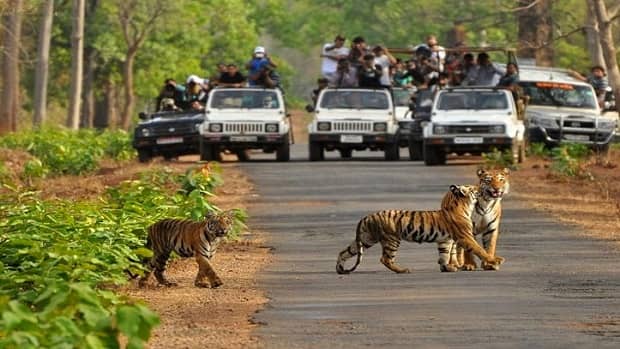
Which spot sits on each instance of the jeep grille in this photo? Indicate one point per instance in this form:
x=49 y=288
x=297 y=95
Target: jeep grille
x=467 y=129
x=173 y=128
x=243 y=127
x=352 y=126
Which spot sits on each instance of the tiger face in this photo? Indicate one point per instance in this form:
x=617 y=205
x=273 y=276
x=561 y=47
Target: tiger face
x=220 y=223
x=472 y=192
x=494 y=183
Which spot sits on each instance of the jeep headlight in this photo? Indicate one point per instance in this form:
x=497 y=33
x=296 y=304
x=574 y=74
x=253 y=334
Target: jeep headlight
x=380 y=126
x=607 y=124
x=439 y=129
x=324 y=126
x=146 y=132
x=271 y=128
x=544 y=122
x=497 y=129
x=215 y=127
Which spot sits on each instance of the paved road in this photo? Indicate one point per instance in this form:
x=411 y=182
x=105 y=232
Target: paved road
x=556 y=290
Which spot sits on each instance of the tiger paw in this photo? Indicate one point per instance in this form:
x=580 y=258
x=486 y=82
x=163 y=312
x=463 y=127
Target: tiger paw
x=216 y=283
x=487 y=266
x=449 y=268
x=168 y=284
x=469 y=267
x=201 y=284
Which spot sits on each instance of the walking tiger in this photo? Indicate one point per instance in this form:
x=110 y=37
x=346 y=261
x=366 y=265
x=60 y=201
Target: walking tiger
x=452 y=223
x=187 y=239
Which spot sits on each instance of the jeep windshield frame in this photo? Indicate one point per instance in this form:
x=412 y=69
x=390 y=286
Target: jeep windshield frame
x=355 y=99
x=450 y=100
x=244 y=99
x=563 y=94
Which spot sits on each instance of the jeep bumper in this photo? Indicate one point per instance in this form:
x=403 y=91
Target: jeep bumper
x=246 y=141
x=169 y=145
x=593 y=137
x=470 y=144
x=353 y=141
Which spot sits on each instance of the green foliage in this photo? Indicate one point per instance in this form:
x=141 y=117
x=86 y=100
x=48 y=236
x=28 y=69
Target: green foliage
x=58 y=259
x=499 y=159
x=538 y=149
x=61 y=151
x=567 y=160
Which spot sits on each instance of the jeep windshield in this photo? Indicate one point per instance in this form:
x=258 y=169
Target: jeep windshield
x=402 y=97
x=559 y=94
x=472 y=100
x=238 y=99
x=424 y=101
x=355 y=100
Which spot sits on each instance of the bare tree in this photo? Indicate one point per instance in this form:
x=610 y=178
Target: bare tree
x=605 y=19
x=536 y=31
x=42 y=70
x=138 y=19
x=77 y=49
x=592 y=38
x=11 y=37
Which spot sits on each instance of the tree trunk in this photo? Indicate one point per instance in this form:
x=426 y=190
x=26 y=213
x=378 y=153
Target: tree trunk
x=42 y=70
x=536 y=43
x=129 y=101
x=11 y=37
x=592 y=37
x=88 y=97
x=77 y=49
x=607 y=46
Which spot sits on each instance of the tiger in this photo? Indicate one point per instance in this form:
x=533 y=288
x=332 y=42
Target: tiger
x=187 y=238
x=486 y=216
x=451 y=223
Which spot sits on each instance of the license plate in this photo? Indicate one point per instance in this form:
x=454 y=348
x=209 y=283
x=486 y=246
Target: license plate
x=243 y=138
x=468 y=140
x=169 y=140
x=351 y=139
x=577 y=137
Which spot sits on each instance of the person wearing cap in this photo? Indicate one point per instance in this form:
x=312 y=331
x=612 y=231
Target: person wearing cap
x=232 y=77
x=170 y=91
x=345 y=75
x=369 y=75
x=357 y=52
x=257 y=66
x=436 y=53
x=195 y=93
x=332 y=52
x=322 y=84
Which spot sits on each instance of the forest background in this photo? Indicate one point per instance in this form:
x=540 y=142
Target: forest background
x=97 y=63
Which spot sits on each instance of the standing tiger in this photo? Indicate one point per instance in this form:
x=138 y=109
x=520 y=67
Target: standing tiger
x=187 y=239
x=451 y=223
x=486 y=216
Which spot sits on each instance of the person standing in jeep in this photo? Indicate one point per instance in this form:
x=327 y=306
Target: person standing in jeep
x=370 y=73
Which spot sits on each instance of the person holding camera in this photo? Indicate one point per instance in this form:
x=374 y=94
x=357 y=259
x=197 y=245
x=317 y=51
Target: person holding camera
x=345 y=75
x=261 y=69
x=172 y=94
x=332 y=53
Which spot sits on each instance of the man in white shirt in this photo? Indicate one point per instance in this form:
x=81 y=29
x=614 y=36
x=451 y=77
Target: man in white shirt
x=385 y=59
x=437 y=53
x=332 y=52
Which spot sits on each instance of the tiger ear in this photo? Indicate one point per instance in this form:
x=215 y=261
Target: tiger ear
x=506 y=171
x=210 y=214
x=456 y=190
x=481 y=172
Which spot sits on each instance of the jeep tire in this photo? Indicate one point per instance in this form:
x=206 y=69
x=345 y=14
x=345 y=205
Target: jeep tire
x=433 y=155
x=416 y=151
x=145 y=155
x=316 y=151
x=283 y=153
x=392 y=151
x=208 y=152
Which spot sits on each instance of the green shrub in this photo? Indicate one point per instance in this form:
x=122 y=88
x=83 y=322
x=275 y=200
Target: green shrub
x=538 y=149
x=499 y=159
x=568 y=160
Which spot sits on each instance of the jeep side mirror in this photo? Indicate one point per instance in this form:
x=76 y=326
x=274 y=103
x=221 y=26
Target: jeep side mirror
x=309 y=108
x=142 y=115
x=609 y=106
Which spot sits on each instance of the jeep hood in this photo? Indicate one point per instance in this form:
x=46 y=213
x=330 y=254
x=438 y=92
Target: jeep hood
x=557 y=112
x=245 y=115
x=197 y=117
x=353 y=114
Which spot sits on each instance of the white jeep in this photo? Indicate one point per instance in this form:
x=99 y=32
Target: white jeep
x=563 y=109
x=472 y=120
x=238 y=119
x=347 y=119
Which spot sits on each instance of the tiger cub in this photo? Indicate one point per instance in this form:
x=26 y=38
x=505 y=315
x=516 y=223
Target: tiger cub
x=187 y=239
x=486 y=216
x=451 y=223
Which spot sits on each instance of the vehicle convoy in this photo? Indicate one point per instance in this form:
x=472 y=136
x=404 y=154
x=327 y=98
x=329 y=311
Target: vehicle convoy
x=168 y=134
x=472 y=120
x=348 y=119
x=563 y=109
x=238 y=119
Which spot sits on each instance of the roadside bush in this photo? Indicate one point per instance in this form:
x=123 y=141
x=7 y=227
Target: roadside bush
x=499 y=159
x=62 y=151
x=538 y=149
x=568 y=160
x=61 y=260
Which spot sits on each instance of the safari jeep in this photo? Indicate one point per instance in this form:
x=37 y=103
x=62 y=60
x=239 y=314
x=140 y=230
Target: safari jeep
x=167 y=133
x=472 y=120
x=238 y=119
x=563 y=109
x=350 y=119
x=402 y=111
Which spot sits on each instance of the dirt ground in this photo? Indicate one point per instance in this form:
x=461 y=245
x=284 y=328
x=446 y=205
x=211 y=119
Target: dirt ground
x=590 y=203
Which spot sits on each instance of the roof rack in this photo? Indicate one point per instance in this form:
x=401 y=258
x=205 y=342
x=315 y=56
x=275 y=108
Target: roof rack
x=510 y=52
x=544 y=69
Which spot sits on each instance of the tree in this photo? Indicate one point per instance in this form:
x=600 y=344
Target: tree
x=137 y=19
x=605 y=19
x=77 y=49
x=42 y=70
x=11 y=36
x=536 y=31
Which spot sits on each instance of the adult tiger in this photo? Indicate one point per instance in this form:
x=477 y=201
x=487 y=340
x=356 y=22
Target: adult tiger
x=486 y=216
x=451 y=223
x=187 y=239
